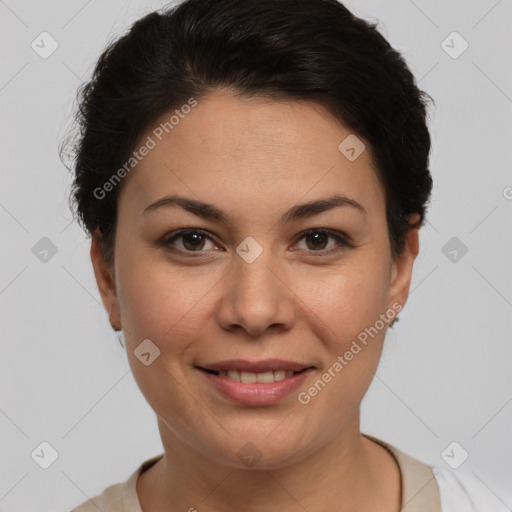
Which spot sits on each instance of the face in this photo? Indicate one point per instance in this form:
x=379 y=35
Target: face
x=237 y=269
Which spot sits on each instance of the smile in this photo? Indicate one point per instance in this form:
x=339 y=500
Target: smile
x=252 y=377
x=255 y=388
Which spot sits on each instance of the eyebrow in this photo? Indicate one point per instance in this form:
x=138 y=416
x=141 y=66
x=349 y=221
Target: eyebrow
x=211 y=212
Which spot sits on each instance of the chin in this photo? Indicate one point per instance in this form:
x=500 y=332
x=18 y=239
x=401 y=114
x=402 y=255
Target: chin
x=259 y=450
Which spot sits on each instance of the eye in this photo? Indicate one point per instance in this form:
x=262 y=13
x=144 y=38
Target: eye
x=317 y=240
x=191 y=240
x=197 y=241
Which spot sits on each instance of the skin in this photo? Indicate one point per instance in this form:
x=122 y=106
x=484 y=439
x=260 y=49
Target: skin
x=254 y=159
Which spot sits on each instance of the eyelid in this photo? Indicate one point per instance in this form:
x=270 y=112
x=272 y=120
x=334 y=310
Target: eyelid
x=175 y=235
x=343 y=240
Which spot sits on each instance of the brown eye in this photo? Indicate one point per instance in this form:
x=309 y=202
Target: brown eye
x=318 y=240
x=191 y=241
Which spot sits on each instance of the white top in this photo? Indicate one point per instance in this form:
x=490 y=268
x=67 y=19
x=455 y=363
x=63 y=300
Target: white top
x=424 y=489
x=463 y=492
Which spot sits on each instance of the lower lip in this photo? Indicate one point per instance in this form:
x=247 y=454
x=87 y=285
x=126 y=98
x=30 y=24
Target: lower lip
x=257 y=393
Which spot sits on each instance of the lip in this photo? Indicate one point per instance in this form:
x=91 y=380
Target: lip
x=265 y=365
x=257 y=393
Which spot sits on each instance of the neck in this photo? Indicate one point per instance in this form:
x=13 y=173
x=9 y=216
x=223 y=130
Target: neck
x=350 y=471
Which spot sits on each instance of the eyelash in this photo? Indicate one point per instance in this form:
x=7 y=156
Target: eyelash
x=342 y=240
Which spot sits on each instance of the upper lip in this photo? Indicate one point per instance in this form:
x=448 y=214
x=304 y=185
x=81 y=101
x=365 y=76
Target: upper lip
x=265 y=365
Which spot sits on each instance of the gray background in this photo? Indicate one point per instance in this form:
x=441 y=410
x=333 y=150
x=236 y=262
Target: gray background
x=445 y=373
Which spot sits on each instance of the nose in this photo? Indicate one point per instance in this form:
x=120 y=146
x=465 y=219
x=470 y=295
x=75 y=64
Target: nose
x=256 y=298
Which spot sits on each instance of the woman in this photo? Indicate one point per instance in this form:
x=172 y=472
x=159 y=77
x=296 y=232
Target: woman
x=254 y=175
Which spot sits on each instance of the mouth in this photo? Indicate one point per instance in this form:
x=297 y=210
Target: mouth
x=246 y=377
x=250 y=372
x=260 y=383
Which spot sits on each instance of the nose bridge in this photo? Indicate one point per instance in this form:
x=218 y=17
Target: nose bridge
x=254 y=277
x=257 y=273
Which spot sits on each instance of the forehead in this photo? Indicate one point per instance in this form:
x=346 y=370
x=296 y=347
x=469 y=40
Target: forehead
x=259 y=149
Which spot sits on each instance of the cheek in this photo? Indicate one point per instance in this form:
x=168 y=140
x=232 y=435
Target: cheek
x=346 y=300
x=163 y=302
x=345 y=312
x=166 y=305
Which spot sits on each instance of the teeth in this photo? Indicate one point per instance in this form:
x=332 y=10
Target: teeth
x=251 y=377
x=247 y=377
x=233 y=375
x=281 y=374
x=265 y=377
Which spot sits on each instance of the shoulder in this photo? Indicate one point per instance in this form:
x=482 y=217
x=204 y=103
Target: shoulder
x=120 y=497
x=110 y=500
x=464 y=492
x=428 y=488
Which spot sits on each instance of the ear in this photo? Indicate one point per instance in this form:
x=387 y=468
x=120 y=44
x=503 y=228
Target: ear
x=104 y=273
x=401 y=269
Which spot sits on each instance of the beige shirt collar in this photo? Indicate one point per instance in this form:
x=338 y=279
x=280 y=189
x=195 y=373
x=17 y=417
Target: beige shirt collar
x=420 y=492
